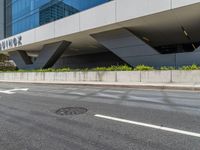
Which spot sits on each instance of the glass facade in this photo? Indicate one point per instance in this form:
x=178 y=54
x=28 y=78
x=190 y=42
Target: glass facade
x=23 y=15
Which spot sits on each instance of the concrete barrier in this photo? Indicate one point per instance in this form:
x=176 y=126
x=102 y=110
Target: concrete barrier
x=173 y=76
x=156 y=77
x=128 y=76
x=186 y=76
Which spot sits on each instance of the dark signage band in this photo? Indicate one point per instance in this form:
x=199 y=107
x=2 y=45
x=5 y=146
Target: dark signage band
x=11 y=43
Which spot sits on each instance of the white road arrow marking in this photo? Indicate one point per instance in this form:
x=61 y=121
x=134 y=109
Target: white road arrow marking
x=13 y=91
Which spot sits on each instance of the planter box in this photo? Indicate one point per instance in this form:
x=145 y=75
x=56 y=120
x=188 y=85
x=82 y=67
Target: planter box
x=106 y=76
x=186 y=76
x=174 y=76
x=128 y=76
x=156 y=76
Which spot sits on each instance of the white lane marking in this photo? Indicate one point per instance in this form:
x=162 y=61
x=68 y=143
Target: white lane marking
x=149 y=125
x=139 y=98
x=113 y=91
x=23 y=89
x=77 y=93
x=13 y=91
x=70 y=88
x=107 y=95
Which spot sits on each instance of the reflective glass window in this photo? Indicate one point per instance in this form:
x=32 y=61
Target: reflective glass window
x=23 y=15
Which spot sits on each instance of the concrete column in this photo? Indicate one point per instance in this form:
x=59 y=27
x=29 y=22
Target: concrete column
x=189 y=58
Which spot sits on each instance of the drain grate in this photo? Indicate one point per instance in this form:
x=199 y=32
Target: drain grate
x=71 y=111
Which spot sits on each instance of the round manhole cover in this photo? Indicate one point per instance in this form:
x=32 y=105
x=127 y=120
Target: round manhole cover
x=71 y=111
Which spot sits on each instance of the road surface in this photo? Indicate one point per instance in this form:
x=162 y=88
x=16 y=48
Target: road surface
x=112 y=118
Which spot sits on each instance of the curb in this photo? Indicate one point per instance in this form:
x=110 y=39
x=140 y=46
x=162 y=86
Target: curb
x=167 y=86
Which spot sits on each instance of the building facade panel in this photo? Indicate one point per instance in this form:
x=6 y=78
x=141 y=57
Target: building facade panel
x=98 y=16
x=45 y=32
x=180 y=3
x=67 y=25
x=128 y=9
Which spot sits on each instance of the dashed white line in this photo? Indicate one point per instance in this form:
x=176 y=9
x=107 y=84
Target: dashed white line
x=149 y=125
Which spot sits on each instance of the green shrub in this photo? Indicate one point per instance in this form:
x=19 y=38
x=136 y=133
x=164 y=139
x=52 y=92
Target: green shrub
x=114 y=68
x=111 y=68
x=7 y=68
x=47 y=70
x=143 y=68
x=55 y=70
x=84 y=69
x=192 y=67
x=5 y=64
x=20 y=70
x=99 y=69
x=167 y=68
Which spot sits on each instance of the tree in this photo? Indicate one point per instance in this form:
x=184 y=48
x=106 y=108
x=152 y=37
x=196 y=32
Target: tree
x=6 y=64
x=3 y=58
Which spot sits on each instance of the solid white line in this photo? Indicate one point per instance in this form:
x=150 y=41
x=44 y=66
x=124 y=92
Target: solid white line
x=150 y=125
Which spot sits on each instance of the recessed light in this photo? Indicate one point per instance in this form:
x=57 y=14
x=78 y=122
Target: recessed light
x=186 y=34
x=146 y=39
x=193 y=46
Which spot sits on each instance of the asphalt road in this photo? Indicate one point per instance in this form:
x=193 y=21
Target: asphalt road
x=116 y=118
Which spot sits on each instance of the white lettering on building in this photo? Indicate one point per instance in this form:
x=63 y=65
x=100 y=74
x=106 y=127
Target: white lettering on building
x=11 y=43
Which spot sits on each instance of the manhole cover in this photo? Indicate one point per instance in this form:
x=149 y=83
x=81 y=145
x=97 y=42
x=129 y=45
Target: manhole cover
x=71 y=111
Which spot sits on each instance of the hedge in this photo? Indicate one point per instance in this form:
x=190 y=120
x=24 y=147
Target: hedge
x=111 y=68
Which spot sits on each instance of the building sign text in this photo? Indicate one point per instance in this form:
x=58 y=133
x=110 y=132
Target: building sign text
x=11 y=43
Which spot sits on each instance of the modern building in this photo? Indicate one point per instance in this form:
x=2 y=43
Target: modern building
x=89 y=33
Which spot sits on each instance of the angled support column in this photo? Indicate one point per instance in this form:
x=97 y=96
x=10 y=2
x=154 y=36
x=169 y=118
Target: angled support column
x=131 y=49
x=189 y=58
x=46 y=58
x=198 y=49
x=21 y=59
x=50 y=54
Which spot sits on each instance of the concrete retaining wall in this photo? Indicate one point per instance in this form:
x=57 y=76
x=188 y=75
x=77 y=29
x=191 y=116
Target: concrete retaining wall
x=106 y=76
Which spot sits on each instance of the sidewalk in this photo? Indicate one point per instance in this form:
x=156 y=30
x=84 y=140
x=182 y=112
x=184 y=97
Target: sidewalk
x=174 y=86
